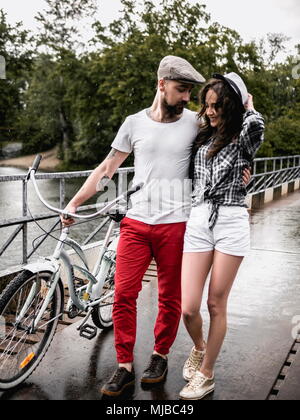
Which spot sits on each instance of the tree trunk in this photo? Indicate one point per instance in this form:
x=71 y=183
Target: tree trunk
x=66 y=136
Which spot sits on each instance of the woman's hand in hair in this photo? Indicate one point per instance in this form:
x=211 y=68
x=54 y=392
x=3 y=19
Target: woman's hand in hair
x=246 y=176
x=249 y=105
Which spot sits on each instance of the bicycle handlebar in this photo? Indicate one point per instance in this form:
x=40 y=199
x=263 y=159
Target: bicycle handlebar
x=34 y=167
x=133 y=190
x=103 y=210
x=36 y=162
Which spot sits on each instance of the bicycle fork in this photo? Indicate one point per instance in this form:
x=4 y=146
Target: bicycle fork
x=35 y=290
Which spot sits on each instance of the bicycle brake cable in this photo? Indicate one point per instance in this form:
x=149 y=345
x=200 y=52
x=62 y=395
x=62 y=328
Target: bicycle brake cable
x=56 y=230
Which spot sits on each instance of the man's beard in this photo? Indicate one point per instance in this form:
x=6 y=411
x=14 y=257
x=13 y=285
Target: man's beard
x=173 y=110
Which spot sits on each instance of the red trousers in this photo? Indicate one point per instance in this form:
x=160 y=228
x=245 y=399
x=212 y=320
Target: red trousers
x=138 y=244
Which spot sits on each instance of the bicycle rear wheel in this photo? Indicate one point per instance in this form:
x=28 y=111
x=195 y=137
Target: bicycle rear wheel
x=21 y=347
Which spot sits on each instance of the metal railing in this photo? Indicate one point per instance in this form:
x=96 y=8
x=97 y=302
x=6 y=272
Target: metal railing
x=22 y=223
x=273 y=172
x=267 y=173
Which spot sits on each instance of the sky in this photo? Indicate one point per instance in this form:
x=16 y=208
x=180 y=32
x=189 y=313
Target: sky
x=253 y=19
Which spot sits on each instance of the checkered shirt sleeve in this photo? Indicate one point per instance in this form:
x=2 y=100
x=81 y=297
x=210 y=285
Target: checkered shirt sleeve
x=219 y=179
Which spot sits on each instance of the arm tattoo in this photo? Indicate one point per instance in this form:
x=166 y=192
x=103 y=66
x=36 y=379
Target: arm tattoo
x=112 y=154
x=102 y=183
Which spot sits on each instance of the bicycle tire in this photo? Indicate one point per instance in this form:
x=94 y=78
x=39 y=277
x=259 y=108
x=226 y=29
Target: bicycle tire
x=21 y=351
x=102 y=313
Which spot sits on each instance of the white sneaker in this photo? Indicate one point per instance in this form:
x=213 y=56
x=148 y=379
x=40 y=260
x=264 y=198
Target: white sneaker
x=193 y=363
x=198 y=387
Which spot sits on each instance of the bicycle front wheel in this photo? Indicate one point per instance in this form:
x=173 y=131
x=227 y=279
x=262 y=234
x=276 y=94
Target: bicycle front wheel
x=23 y=346
x=102 y=313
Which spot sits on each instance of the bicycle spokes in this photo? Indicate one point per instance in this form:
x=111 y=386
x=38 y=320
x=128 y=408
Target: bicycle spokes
x=21 y=340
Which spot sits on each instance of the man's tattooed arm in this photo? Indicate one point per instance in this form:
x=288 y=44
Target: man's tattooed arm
x=102 y=183
x=105 y=179
x=112 y=154
x=97 y=181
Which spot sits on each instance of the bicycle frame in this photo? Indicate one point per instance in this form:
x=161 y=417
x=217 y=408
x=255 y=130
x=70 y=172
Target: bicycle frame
x=53 y=265
x=96 y=278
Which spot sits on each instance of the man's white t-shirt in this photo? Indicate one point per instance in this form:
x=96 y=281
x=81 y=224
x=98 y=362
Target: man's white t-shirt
x=162 y=153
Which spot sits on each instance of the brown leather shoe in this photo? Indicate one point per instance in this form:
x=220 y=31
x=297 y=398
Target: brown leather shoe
x=156 y=370
x=120 y=380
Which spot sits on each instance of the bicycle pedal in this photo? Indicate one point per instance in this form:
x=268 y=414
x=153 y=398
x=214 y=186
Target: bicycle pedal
x=88 y=331
x=73 y=312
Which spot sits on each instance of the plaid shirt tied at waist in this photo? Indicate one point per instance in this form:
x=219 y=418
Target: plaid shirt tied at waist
x=219 y=179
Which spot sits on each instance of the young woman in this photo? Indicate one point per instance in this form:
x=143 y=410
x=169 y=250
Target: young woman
x=218 y=231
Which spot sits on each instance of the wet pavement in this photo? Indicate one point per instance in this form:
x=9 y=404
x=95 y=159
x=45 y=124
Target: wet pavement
x=263 y=322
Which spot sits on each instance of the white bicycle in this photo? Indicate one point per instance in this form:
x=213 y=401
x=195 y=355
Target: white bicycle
x=33 y=302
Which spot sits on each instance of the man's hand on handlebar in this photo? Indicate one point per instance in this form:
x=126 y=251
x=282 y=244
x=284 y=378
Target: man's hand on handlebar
x=69 y=221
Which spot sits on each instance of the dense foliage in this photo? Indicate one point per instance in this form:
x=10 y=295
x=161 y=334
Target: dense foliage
x=60 y=91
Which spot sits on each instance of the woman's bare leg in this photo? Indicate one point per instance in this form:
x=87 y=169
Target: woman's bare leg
x=224 y=271
x=195 y=269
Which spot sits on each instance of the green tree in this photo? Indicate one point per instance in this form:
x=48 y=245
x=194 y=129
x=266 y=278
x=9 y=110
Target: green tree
x=120 y=78
x=278 y=98
x=15 y=48
x=58 y=42
x=283 y=134
x=48 y=109
x=79 y=99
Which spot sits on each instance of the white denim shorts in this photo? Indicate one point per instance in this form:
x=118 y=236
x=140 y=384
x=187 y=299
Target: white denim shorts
x=231 y=234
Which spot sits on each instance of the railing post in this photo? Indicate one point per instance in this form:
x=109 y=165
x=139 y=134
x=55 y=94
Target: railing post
x=255 y=168
x=265 y=171
x=25 y=227
x=122 y=182
x=62 y=193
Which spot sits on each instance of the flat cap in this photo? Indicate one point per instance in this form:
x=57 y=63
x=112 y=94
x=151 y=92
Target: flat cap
x=177 y=68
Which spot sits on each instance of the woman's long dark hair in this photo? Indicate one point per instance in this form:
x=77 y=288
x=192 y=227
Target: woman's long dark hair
x=232 y=112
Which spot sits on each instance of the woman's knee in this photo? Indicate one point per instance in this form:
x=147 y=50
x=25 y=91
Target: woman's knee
x=216 y=306
x=190 y=313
